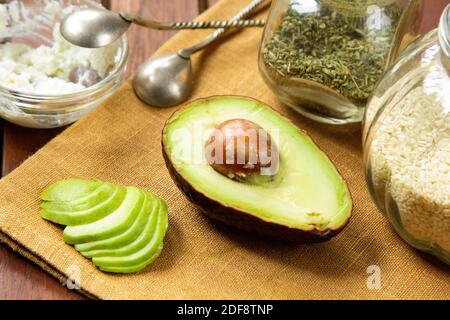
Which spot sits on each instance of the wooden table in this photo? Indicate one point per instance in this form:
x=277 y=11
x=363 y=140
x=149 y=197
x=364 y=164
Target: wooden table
x=20 y=279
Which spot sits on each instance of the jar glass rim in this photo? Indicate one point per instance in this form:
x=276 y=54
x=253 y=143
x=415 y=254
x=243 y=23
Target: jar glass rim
x=444 y=31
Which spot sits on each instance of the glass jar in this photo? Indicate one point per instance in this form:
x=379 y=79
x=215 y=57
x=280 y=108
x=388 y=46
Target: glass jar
x=323 y=58
x=46 y=82
x=406 y=141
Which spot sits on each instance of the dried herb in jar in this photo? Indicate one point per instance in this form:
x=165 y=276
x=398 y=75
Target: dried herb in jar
x=341 y=49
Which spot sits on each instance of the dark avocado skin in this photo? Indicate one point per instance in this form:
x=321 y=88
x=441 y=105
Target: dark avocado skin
x=237 y=218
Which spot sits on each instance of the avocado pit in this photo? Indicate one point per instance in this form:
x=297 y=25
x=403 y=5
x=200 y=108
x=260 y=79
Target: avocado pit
x=242 y=150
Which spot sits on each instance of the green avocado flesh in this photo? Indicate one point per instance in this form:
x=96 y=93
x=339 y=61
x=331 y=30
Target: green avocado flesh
x=95 y=212
x=124 y=227
x=307 y=193
x=121 y=244
x=69 y=190
x=100 y=194
x=147 y=246
x=113 y=224
x=135 y=268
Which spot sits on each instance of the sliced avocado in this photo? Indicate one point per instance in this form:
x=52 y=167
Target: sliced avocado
x=153 y=246
x=69 y=190
x=112 y=225
x=305 y=199
x=143 y=239
x=110 y=246
x=75 y=218
x=135 y=268
x=106 y=221
x=98 y=195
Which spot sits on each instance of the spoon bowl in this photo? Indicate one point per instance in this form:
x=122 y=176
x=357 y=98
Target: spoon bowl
x=168 y=80
x=108 y=27
x=97 y=27
x=164 y=81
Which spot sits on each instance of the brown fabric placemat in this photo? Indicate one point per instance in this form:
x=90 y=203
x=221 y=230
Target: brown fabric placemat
x=120 y=142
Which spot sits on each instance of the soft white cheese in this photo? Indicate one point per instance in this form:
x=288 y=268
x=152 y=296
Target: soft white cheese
x=47 y=70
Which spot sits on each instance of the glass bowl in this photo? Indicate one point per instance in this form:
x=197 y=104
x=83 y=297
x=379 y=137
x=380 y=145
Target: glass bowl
x=34 y=24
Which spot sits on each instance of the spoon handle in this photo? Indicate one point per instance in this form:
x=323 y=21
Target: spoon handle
x=192 y=25
x=186 y=53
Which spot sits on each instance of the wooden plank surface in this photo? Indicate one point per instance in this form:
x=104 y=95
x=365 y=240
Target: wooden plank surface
x=19 y=279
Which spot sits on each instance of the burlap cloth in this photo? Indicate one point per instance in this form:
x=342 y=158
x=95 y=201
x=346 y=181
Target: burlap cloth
x=120 y=142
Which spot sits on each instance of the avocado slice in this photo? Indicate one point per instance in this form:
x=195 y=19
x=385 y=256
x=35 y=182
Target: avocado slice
x=117 y=244
x=69 y=190
x=141 y=253
x=98 y=195
x=305 y=200
x=112 y=225
x=134 y=268
x=141 y=241
x=75 y=218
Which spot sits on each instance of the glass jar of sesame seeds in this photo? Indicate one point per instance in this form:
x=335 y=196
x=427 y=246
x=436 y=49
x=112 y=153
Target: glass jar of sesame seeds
x=323 y=58
x=407 y=143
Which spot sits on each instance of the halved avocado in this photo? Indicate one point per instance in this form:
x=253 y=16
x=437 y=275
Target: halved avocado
x=97 y=212
x=121 y=243
x=151 y=244
x=112 y=225
x=97 y=196
x=306 y=199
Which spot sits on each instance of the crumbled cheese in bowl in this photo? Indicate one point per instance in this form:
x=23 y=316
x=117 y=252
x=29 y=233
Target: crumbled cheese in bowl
x=46 y=82
x=410 y=161
x=56 y=69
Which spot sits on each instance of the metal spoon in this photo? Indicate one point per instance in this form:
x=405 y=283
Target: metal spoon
x=94 y=28
x=167 y=80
